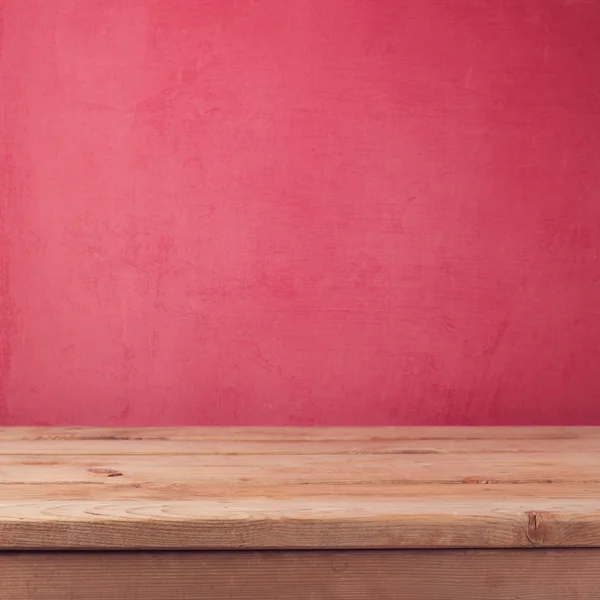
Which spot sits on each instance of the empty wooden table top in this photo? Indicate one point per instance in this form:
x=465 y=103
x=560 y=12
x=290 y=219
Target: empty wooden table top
x=294 y=488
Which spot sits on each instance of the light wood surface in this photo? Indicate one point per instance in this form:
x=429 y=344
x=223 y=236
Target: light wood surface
x=346 y=575
x=228 y=488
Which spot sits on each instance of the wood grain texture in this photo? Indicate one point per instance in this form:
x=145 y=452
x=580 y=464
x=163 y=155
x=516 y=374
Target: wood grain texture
x=203 y=488
x=444 y=435
x=349 y=575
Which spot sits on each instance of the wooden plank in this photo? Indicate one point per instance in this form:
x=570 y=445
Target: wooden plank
x=307 y=496
x=299 y=523
x=397 y=575
x=399 y=469
x=122 y=488
x=283 y=447
x=269 y=434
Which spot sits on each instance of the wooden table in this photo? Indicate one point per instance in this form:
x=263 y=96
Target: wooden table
x=378 y=513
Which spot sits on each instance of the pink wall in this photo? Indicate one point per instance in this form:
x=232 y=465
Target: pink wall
x=318 y=211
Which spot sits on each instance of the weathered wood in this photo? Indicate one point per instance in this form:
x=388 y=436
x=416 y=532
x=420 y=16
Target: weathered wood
x=461 y=468
x=327 y=575
x=222 y=488
x=270 y=434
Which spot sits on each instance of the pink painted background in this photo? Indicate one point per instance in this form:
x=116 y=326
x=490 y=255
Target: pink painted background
x=300 y=212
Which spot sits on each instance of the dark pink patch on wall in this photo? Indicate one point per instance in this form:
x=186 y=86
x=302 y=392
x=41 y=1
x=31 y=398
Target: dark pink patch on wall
x=308 y=212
